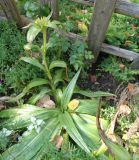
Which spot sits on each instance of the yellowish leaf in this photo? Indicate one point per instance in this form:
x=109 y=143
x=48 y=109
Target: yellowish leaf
x=73 y=104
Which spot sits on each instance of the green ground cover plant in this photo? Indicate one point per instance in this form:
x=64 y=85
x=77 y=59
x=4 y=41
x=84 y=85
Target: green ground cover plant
x=118 y=68
x=13 y=75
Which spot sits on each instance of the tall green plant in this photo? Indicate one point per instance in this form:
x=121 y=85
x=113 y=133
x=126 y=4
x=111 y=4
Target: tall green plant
x=74 y=116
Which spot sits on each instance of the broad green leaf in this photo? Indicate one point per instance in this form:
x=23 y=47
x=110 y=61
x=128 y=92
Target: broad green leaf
x=32 y=33
x=67 y=122
x=92 y=120
x=88 y=106
x=26 y=108
x=32 y=84
x=119 y=152
x=33 y=61
x=47 y=145
x=21 y=118
x=91 y=94
x=38 y=96
x=68 y=92
x=55 y=64
x=31 y=145
x=88 y=130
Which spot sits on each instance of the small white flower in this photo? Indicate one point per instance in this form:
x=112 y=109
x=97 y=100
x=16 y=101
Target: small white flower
x=38 y=129
x=33 y=120
x=20 y=138
x=30 y=128
x=26 y=133
x=6 y=132
x=39 y=122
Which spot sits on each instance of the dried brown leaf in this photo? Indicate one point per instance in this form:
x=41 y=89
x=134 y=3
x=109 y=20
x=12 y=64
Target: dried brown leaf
x=46 y=102
x=57 y=141
x=124 y=109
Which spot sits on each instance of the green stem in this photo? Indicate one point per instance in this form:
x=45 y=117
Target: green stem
x=44 y=62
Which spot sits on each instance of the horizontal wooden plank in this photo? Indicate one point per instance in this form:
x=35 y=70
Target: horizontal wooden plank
x=122 y=7
x=116 y=51
x=127 y=8
x=89 y=3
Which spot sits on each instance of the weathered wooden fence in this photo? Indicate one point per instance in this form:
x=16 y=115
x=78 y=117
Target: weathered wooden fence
x=103 y=10
x=11 y=12
x=101 y=17
x=102 y=13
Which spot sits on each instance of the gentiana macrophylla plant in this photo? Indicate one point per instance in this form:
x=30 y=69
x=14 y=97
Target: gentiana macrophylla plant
x=72 y=115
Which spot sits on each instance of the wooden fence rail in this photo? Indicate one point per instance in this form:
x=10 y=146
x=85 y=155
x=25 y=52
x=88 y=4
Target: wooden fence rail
x=106 y=48
x=102 y=14
x=122 y=7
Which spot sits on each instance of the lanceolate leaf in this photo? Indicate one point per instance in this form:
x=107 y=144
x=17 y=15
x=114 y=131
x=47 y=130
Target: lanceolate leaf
x=93 y=94
x=32 y=33
x=21 y=119
x=30 y=146
x=88 y=130
x=118 y=151
x=60 y=64
x=47 y=145
x=33 y=61
x=67 y=94
x=67 y=122
x=32 y=84
x=92 y=120
x=88 y=106
x=26 y=108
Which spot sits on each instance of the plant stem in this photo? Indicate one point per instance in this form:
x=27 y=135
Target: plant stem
x=44 y=62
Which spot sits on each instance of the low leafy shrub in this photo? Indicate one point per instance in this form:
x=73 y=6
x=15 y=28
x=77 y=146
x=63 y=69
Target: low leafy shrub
x=32 y=8
x=118 y=69
x=76 y=54
x=14 y=74
x=123 y=32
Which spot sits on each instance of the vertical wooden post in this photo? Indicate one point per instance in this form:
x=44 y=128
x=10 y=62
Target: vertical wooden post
x=54 y=7
x=100 y=20
x=11 y=12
